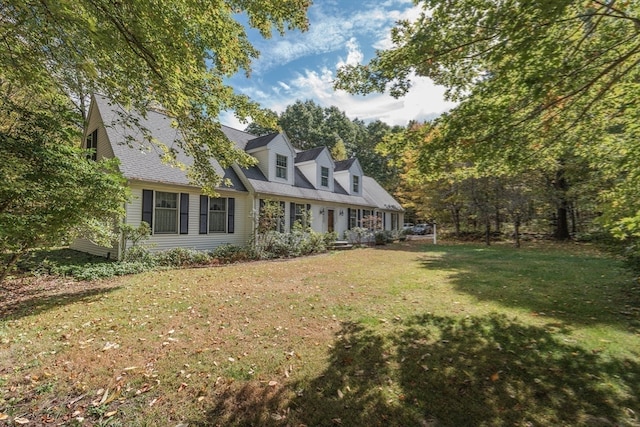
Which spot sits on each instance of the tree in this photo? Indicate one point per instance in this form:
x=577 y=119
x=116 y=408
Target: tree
x=140 y=54
x=48 y=187
x=339 y=151
x=536 y=80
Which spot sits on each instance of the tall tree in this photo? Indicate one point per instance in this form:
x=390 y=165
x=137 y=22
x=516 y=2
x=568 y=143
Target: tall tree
x=141 y=53
x=48 y=187
x=533 y=78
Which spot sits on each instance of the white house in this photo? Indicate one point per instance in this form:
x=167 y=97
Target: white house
x=337 y=193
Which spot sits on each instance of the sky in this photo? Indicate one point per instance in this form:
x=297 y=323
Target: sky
x=302 y=65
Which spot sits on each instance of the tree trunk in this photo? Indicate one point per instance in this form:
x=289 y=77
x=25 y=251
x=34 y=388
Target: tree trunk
x=487 y=232
x=7 y=267
x=562 y=224
x=455 y=214
x=516 y=231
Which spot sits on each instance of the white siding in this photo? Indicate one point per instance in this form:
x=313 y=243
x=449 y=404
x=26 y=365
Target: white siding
x=308 y=169
x=263 y=161
x=279 y=145
x=85 y=245
x=95 y=122
x=193 y=240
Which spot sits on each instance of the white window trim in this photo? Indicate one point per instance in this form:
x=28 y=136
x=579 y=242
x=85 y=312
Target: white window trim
x=176 y=210
x=282 y=169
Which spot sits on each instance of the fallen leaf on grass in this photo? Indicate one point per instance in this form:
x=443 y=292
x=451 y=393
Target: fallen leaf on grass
x=3 y=416
x=110 y=414
x=20 y=420
x=495 y=377
x=273 y=383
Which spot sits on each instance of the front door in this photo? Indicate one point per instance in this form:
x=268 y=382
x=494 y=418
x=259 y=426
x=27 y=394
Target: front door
x=330 y=220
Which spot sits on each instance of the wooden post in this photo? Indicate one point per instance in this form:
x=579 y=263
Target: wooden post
x=435 y=238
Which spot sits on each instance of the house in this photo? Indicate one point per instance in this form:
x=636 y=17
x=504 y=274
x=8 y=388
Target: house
x=336 y=193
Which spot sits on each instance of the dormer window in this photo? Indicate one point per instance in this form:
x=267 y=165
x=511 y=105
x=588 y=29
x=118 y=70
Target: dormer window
x=324 y=176
x=356 y=184
x=281 y=166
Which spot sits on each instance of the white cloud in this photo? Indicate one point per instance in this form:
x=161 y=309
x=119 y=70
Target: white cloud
x=344 y=35
x=328 y=32
x=354 y=54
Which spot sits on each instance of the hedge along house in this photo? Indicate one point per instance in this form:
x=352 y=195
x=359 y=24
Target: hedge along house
x=335 y=193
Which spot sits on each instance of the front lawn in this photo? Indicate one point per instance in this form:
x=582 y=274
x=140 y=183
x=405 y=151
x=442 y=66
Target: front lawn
x=403 y=335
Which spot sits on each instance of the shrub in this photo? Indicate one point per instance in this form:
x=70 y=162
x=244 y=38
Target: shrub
x=102 y=271
x=228 y=253
x=139 y=254
x=180 y=257
x=358 y=235
x=383 y=237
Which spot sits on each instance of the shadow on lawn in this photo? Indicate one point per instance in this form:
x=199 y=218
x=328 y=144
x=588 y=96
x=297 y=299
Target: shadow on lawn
x=576 y=289
x=28 y=301
x=444 y=371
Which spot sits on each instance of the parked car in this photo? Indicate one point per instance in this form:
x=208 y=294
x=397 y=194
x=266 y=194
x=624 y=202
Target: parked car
x=421 y=229
x=407 y=228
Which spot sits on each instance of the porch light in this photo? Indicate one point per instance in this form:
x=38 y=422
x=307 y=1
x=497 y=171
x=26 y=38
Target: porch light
x=322 y=211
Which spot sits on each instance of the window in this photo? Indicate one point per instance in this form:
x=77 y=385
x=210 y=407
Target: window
x=271 y=216
x=394 y=221
x=324 y=176
x=301 y=214
x=281 y=166
x=218 y=215
x=356 y=184
x=92 y=144
x=353 y=218
x=166 y=213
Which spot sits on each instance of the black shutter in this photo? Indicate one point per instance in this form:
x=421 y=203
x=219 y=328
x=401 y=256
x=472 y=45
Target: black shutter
x=147 y=207
x=292 y=215
x=384 y=220
x=204 y=214
x=359 y=224
x=184 y=213
x=231 y=211
x=349 y=218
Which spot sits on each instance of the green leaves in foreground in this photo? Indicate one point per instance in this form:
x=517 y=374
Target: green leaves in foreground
x=50 y=193
x=145 y=53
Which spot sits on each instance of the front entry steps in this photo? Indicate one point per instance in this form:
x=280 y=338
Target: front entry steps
x=340 y=245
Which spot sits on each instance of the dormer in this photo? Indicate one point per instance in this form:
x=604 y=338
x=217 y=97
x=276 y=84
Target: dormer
x=275 y=156
x=317 y=166
x=348 y=173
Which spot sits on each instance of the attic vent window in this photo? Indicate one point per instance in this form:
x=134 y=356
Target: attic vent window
x=324 y=176
x=92 y=144
x=281 y=166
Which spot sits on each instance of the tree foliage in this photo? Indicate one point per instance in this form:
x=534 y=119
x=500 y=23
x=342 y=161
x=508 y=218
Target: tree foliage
x=50 y=192
x=538 y=82
x=143 y=53
x=309 y=125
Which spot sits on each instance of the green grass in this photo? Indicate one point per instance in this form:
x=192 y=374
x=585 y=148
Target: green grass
x=401 y=335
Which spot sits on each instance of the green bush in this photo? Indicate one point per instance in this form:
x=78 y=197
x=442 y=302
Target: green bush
x=227 y=254
x=181 y=257
x=139 y=254
x=383 y=237
x=103 y=271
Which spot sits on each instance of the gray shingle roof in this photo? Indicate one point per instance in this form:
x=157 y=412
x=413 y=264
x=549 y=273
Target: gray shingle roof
x=260 y=141
x=305 y=156
x=343 y=165
x=139 y=158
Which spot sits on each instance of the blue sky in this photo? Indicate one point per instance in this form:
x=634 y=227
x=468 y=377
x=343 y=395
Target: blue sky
x=303 y=65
